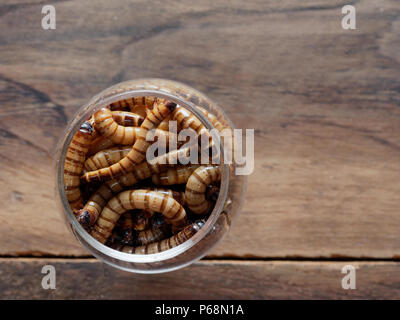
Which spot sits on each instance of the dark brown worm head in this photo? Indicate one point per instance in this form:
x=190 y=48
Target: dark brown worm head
x=83 y=217
x=171 y=105
x=86 y=128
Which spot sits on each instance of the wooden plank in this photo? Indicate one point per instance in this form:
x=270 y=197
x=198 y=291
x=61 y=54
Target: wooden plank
x=324 y=103
x=89 y=279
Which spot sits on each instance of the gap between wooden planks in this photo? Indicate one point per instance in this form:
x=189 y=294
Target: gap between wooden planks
x=90 y=279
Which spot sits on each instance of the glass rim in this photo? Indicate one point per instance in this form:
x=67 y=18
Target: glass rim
x=82 y=115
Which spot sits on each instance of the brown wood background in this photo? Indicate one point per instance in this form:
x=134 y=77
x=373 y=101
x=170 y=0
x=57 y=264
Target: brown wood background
x=325 y=104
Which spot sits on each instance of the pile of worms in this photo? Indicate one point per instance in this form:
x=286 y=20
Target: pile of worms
x=123 y=200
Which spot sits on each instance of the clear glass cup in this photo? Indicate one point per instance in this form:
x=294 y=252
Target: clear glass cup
x=232 y=188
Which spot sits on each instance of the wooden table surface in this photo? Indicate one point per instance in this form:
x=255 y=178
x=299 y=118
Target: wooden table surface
x=324 y=103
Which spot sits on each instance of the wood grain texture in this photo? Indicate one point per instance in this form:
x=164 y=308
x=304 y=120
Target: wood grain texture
x=324 y=103
x=89 y=279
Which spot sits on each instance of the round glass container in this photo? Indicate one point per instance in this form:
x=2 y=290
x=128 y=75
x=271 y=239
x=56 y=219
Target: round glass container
x=232 y=188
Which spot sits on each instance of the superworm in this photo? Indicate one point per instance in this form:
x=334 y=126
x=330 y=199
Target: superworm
x=121 y=105
x=138 y=153
x=99 y=143
x=127 y=119
x=175 y=175
x=159 y=230
x=213 y=119
x=122 y=118
x=109 y=128
x=73 y=165
x=197 y=186
x=166 y=244
x=177 y=195
x=133 y=104
x=139 y=109
x=185 y=119
x=164 y=125
x=136 y=199
x=106 y=157
x=89 y=214
x=173 y=157
x=220 y=127
x=150 y=235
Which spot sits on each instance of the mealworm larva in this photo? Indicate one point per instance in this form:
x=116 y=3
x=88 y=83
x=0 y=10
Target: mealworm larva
x=106 y=157
x=136 y=105
x=139 y=109
x=119 y=106
x=99 y=143
x=175 y=175
x=90 y=212
x=213 y=119
x=133 y=104
x=227 y=131
x=73 y=165
x=185 y=119
x=143 y=101
x=197 y=186
x=164 y=125
x=166 y=244
x=92 y=209
x=172 y=157
x=159 y=230
x=127 y=119
x=150 y=235
x=138 y=153
x=122 y=118
x=135 y=199
x=109 y=128
x=177 y=195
